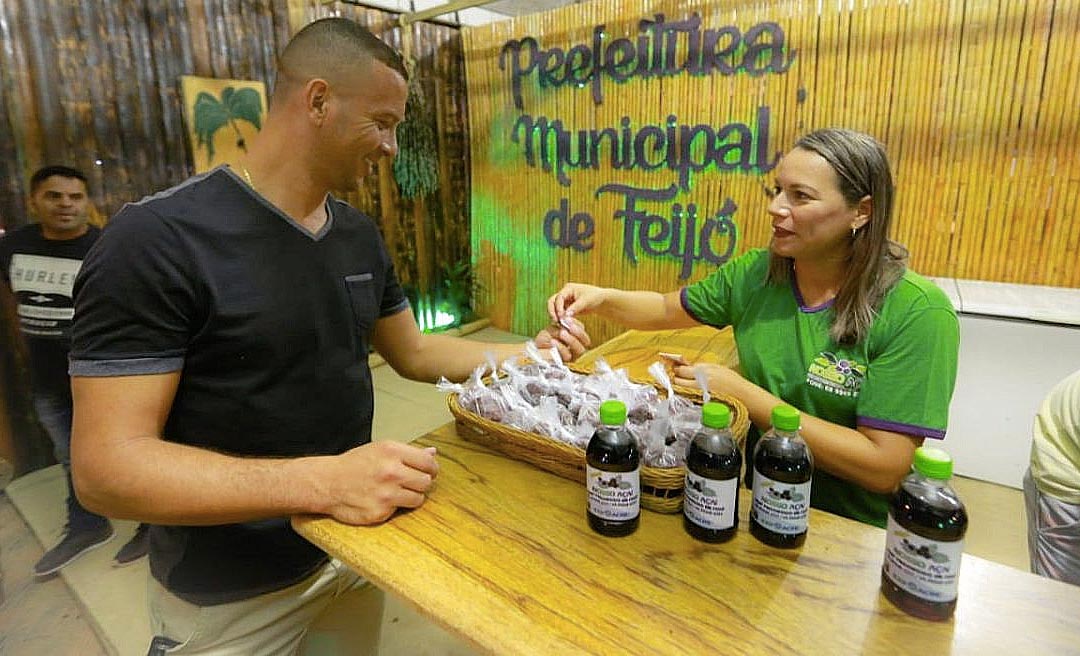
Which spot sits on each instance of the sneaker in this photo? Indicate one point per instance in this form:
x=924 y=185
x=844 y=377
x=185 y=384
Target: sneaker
x=135 y=548
x=74 y=544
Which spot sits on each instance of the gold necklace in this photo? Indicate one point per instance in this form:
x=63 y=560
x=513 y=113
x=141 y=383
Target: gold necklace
x=247 y=176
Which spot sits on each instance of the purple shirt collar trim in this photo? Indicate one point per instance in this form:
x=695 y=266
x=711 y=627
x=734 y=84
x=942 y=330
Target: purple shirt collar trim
x=802 y=304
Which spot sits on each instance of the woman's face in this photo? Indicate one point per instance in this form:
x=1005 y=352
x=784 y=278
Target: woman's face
x=811 y=219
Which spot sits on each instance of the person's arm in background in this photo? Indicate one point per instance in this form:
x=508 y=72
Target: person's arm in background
x=425 y=357
x=643 y=310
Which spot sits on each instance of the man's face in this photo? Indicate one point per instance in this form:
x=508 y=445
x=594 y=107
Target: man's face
x=62 y=206
x=364 y=129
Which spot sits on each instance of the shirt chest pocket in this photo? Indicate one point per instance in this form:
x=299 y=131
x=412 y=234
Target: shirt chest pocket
x=360 y=288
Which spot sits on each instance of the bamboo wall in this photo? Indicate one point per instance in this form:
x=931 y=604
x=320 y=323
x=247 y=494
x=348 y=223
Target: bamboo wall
x=975 y=101
x=96 y=85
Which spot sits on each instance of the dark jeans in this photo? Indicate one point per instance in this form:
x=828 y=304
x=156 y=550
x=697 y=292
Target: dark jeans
x=54 y=413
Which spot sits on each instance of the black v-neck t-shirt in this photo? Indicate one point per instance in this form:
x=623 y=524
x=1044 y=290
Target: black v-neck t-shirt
x=270 y=328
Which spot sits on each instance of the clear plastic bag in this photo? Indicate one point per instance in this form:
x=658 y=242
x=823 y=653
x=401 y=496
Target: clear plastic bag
x=545 y=397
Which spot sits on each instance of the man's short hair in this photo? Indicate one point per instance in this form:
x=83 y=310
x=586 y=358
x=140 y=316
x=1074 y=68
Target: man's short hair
x=329 y=48
x=46 y=172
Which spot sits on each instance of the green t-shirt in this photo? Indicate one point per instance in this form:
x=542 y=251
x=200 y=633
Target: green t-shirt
x=900 y=378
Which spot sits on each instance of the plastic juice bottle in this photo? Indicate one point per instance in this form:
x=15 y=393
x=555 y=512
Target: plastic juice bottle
x=925 y=539
x=613 y=474
x=713 y=465
x=783 y=469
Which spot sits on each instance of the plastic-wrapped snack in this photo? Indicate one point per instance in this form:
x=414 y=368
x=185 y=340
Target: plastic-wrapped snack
x=551 y=422
x=669 y=456
x=492 y=405
x=588 y=415
x=519 y=414
x=525 y=383
x=493 y=365
x=533 y=389
x=649 y=442
x=680 y=406
x=641 y=403
x=585 y=403
x=469 y=392
x=550 y=367
x=686 y=419
x=581 y=434
x=558 y=369
x=545 y=397
x=564 y=390
x=677 y=406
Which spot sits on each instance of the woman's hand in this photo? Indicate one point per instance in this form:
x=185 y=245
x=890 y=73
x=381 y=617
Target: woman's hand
x=569 y=336
x=721 y=379
x=574 y=299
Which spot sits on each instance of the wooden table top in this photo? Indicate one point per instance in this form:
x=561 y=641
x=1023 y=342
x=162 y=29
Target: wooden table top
x=502 y=555
x=635 y=350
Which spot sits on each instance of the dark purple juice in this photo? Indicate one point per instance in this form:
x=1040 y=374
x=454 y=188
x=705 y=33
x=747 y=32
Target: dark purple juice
x=937 y=521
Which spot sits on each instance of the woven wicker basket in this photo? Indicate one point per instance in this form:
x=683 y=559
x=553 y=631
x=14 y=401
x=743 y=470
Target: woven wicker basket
x=661 y=488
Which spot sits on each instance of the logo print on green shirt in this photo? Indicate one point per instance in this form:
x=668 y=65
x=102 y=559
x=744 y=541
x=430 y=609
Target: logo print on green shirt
x=835 y=375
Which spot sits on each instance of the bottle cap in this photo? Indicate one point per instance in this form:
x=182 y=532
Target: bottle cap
x=932 y=462
x=715 y=415
x=612 y=412
x=785 y=418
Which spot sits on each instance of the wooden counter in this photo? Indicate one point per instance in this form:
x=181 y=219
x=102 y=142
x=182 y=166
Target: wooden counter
x=635 y=350
x=501 y=554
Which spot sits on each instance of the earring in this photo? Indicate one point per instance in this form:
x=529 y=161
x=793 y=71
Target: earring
x=853 y=233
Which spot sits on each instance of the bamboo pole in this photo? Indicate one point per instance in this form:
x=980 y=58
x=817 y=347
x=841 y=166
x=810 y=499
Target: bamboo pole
x=439 y=10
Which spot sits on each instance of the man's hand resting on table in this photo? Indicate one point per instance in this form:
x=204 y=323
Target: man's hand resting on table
x=369 y=483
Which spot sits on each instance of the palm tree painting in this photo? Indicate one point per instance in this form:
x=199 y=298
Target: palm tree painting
x=221 y=115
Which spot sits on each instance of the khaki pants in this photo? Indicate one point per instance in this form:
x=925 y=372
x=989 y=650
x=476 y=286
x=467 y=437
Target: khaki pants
x=332 y=612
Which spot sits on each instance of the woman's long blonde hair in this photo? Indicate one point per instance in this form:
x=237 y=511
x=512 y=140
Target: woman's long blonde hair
x=874 y=262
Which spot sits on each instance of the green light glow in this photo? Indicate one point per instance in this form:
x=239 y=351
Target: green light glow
x=431 y=318
x=534 y=261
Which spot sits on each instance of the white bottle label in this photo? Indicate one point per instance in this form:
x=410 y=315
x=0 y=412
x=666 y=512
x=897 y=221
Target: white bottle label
x=781 y=507
x=925 y=568
x=614 y=496
x=710 y=503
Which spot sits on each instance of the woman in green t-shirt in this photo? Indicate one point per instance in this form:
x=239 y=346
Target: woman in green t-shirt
x=828 y=319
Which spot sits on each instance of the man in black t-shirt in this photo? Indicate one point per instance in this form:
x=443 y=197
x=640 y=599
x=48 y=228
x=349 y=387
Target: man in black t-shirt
x=38 y=262
x=219 y=363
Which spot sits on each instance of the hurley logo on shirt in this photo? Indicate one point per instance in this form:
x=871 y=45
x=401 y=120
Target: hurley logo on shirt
x=835 y=375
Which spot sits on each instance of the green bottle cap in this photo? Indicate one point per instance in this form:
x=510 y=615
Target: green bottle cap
x=612 y=412
x=715 y=415
x=932 y=462
x=785 y=418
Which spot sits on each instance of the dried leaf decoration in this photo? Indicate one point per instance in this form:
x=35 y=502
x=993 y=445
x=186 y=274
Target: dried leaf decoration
x=416 y=167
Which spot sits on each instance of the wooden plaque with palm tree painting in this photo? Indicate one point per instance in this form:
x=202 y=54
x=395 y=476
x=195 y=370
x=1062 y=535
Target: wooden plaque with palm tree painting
x=221 y=117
